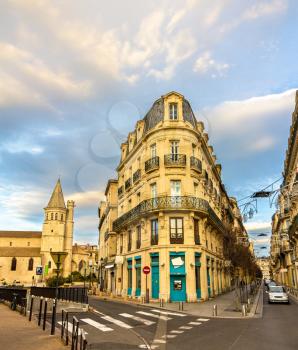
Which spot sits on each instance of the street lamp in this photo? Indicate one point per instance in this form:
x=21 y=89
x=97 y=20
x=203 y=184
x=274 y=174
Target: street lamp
x=58 y=258
x=90 y=268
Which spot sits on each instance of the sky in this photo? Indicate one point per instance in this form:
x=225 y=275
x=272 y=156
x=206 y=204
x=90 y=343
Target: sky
x=76 y=75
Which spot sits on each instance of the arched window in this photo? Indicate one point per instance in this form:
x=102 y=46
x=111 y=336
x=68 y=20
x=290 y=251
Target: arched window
x=56 y=216
x=52 y=216
x=49 y=264
x=81 y=265
x=30 y=264
x=13 y=264
x=61 y=217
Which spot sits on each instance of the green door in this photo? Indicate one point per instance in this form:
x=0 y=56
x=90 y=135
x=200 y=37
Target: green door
x=155 y=282
x=178 y=288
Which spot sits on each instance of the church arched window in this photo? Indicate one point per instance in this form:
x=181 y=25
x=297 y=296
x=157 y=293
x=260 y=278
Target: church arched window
x=81 y=265
x=52 y=216
x=13 y=264
x=30 y=264
x=56 y=216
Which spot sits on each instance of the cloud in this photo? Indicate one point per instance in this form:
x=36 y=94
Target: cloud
x=260 y=9
x=255 y=226
x=206 y=64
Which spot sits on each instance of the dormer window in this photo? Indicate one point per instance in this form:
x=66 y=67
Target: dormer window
x=173 y=110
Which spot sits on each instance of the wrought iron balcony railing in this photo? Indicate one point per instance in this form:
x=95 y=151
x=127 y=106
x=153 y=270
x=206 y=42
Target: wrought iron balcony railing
x=120 y=191
x=136 y=176
x=175 y=160
x=196 y=164
x=154 y=241
x=128 y=184
x=151 y=164
x=169 y=203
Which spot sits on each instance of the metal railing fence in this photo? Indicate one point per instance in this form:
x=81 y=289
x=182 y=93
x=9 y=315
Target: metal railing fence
x=77 y=294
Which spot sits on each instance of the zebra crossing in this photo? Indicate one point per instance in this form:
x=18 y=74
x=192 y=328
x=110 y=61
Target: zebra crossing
x=100 y=322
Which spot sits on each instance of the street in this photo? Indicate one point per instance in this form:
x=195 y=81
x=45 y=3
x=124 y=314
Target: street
x=116 y=325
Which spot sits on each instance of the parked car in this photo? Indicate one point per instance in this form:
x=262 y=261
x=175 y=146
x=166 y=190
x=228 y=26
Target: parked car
x=277 y=294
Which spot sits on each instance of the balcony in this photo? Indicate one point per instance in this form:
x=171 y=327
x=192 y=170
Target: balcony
x=175 y=160
x=169 y=203
x=120 y=191
x=196 y=164
x=152 y=164
x=285 y=246
x=128 y=184
x=154 y=241
x=136 y=176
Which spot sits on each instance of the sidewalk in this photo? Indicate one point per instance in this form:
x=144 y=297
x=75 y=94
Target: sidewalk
x=225 y=306
x=17 y=333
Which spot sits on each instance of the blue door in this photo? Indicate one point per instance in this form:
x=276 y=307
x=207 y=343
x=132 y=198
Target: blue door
x=155 y=282
x=178 y=288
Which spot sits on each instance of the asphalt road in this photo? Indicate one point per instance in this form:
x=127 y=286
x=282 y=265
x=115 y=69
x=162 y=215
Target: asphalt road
x=123 y=326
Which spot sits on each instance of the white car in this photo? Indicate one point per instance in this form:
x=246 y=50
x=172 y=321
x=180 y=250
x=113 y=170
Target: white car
x=277 y=294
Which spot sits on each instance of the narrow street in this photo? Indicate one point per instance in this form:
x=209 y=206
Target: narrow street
x=123 y=326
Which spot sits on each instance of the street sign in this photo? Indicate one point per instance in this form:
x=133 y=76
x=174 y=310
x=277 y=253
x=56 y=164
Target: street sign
x=38 y=270
x=146 y=270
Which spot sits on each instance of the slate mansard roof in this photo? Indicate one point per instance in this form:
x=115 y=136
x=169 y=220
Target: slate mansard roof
x=156 y=114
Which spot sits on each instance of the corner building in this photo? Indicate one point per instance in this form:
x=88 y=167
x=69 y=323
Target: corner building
x=168 y=209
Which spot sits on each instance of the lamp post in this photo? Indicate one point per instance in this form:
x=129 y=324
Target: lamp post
x=90 y=269
x=84 y=274
x=58 y=258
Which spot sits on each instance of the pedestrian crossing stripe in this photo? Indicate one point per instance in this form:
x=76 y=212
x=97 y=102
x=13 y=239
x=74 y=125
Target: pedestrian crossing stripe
x=138 y=319
x=97 y=325
x=169 y=336
x=185 y=327
x=203 y=319
x=159 y=341
x=116 y=322
x=176 y=332
x=194 y=323
x=70 y=325
x=165 y=318
x=169 y=313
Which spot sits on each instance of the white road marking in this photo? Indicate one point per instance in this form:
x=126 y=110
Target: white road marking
x=203 y=319
x=144 y=346
x=139 y=319
x=100 y=326
x=169 y=336
x=168 y=313
x=153 y=315
x=176 y=332
x=159 y=341
x=185 y=327
x=117 y=322
x=195 y=323
x=70 y=328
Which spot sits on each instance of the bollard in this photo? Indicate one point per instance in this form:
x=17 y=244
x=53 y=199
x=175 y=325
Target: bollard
x=161 y=302
x=31 y=307
x=248 y=304
x=181 y=305
x=215 y=310
x=45 y=314
x=40 y=310
x=53 y=324
x=244 y=310
x=14 y=302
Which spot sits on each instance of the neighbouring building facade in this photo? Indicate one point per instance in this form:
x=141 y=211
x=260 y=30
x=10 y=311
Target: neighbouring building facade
x=26 y=254
x=264 y=264
x=168 y=209
x=284 y=239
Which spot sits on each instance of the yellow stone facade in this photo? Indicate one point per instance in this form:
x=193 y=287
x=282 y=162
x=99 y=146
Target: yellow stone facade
x=168 y=209
x=21 y=252
x=284 y=239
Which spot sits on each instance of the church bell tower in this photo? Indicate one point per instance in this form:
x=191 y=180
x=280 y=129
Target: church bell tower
x=57 y=232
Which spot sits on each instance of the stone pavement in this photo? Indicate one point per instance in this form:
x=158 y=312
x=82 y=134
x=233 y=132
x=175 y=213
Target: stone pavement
x=17 y=333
